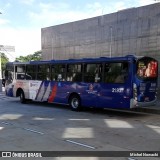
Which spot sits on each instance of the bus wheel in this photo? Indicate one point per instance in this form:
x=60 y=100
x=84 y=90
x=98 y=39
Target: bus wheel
x=22 y=97
x=75 y=103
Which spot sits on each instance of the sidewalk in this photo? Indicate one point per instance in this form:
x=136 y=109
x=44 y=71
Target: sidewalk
x=155 y=109
x=3 y=91
x=150 y=109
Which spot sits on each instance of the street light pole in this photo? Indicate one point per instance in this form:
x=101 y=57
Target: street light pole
x=111 y=39
x=0 y=71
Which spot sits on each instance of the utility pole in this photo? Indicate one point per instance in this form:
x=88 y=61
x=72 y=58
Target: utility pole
x=111 y=39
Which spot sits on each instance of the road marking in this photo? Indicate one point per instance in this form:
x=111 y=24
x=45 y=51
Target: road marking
x=34 y=131
x=6 y=123
x=79 y=119
x=81 y=144
x=27 y=129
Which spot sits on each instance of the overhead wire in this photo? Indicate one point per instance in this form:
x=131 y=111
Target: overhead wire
x=8 y=53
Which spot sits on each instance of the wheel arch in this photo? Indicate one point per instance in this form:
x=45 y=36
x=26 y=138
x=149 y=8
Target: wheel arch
x=73 y=94
x=18 y=92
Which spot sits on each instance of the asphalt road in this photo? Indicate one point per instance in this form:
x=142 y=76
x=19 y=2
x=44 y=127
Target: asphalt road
x=48 y=127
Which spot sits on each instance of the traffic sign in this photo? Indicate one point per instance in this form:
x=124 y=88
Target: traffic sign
x=7 y=48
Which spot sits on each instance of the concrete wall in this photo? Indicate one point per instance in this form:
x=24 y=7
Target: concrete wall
x=131 y=31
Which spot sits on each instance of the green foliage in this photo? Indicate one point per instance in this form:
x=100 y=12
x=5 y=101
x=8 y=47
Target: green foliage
x=37 y=56
x=4 y=60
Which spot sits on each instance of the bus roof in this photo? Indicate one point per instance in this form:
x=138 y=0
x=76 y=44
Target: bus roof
x=82 y=60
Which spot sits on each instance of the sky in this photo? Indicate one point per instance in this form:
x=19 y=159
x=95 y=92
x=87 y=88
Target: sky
x=21 y=20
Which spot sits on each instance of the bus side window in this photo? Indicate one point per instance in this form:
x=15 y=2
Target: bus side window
x=93 y=72
x=6 y=74
x=43 y=72
x=53 y=73
x=20 y=72
x=98 y=73
x=58 y=72
x=74 y=72
x=48 y=72
x=116 y=72
x=31 y=72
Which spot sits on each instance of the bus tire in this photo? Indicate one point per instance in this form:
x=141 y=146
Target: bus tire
x=22 y=97
x=75 y=103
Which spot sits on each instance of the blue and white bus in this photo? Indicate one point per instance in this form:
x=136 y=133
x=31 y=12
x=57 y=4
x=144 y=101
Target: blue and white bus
x=118 y=82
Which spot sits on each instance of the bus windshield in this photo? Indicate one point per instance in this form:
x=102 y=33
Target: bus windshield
x=147 y=68
x=9 y=72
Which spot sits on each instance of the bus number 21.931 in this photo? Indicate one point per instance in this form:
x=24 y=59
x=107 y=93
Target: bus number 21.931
x=117 y=90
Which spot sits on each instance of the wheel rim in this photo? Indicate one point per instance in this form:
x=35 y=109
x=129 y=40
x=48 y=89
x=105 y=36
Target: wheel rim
x=75 y=103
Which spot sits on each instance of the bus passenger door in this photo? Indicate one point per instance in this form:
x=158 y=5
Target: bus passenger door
x=115 y=91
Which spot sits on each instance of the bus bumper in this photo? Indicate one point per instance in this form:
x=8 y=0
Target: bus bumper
x=135 y=104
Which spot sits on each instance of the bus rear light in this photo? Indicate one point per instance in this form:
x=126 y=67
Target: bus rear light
x=135 y=91
x=135 y=97
x=135 y=94
x=134 y=86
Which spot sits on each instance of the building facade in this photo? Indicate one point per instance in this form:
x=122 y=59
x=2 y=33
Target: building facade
x=131 y=31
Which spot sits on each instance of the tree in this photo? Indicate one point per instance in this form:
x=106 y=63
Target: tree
x=37 y=56
x=4 y=60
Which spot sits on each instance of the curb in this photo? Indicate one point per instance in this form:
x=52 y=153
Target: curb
x=150 y=109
